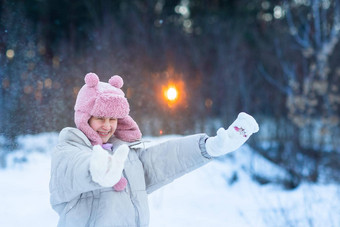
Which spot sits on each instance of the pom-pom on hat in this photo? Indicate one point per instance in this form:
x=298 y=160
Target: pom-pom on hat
x=101 y=99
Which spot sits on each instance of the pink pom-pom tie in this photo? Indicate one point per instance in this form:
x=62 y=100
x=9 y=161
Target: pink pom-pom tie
x=120 y=186
x=91 y=79
x=116 y=81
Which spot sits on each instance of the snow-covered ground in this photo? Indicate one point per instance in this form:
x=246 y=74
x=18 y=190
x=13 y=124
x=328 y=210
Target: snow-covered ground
x=206 y=197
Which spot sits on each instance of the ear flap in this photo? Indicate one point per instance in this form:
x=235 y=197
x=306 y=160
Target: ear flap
x=128 y=130
x=81 y=121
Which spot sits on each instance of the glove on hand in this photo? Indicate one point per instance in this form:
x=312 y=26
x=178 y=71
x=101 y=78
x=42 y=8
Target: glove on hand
x=107 y=169
x=234 y=137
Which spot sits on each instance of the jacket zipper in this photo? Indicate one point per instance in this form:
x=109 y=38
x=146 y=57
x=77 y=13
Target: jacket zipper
x=131 y=198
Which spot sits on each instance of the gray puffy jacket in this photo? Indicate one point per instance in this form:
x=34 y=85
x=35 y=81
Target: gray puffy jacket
x=81 y=202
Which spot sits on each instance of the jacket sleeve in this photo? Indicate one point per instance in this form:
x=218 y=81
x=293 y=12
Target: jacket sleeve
x=169 y=160
x=70 y=174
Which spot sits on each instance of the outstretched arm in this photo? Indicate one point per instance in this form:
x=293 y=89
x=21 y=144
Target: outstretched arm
x=169 y=160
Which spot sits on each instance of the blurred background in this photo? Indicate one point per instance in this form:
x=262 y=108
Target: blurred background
x=277 y=60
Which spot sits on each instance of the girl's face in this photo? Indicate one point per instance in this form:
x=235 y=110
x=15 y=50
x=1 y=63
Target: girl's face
x=105 y=127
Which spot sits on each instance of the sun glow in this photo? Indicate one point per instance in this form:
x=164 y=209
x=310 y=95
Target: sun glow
x=171 y=94
x=171 y=90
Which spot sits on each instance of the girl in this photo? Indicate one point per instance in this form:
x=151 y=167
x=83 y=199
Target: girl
x=99 y=177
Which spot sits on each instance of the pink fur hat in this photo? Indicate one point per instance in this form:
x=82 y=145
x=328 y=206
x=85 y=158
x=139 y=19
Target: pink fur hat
x=101 y=99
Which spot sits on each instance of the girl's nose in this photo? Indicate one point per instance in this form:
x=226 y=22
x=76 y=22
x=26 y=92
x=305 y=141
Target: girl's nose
x=106 y=124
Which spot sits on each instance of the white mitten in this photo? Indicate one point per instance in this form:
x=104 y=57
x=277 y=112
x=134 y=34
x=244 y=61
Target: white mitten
x=234 y=137
x=107 y=169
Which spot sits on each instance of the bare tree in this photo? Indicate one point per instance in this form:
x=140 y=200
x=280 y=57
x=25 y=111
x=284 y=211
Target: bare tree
x=305 y=44
x=310 y=80
x=312 y=94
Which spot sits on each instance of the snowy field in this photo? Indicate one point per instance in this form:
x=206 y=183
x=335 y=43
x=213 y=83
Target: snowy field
x=209 y=196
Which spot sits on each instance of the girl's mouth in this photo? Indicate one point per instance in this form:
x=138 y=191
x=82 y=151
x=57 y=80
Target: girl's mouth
x=103 y=133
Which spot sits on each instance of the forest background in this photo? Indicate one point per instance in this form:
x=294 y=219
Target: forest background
x=277 y=60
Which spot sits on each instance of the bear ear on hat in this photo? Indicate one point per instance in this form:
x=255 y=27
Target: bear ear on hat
x=116 y=81
x=91 y=79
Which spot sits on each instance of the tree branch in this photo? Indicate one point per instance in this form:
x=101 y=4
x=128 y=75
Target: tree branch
x=317 y=22
x=272 y=81
x=304 y=42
